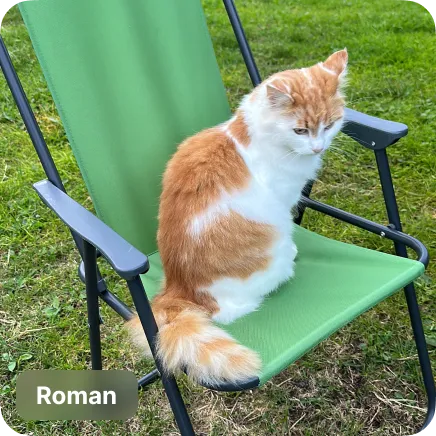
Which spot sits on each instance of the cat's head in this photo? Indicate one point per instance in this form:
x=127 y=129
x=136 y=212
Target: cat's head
x=307 y=105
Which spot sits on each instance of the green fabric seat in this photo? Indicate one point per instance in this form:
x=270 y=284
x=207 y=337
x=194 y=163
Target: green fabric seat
x=334 y=283
x=131 y=80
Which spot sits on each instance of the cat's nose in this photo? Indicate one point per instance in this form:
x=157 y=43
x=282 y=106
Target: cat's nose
x=317 y=149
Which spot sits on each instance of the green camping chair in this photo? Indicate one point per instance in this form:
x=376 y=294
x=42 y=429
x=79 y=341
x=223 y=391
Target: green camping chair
x=131 y=80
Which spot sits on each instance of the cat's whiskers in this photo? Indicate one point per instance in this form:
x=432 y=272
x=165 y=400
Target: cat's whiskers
x=342 y=151
x=360 y=140
x=288 y=154
x=354 y=137
x=338 y=150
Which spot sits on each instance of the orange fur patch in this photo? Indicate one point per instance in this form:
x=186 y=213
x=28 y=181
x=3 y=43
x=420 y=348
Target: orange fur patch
x=239 y=130
x=210 y=348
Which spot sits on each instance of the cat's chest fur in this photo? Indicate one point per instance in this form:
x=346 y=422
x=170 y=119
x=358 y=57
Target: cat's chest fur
x=275 y=185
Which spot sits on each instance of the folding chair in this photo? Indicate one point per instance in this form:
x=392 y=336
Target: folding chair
x=131 y=80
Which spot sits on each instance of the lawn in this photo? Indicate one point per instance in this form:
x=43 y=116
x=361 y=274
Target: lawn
x=363 y=380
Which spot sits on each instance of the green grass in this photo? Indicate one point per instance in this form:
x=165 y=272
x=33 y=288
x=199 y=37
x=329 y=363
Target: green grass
x=363 y=380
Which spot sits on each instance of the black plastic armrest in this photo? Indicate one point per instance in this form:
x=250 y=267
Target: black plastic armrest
x=125 y=259
x=373 y=133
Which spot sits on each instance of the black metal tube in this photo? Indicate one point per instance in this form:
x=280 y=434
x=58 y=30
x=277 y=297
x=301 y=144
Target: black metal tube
x=116 y=304
x=412 y=302
x=148 y=379
x=371 y=226
x=110 y=299
x=242 y=41
x=90 y=260
x=149 y=325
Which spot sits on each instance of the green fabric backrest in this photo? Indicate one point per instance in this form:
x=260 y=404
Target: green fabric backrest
x=131 y=79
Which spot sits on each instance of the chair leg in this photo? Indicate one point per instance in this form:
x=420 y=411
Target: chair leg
x=421 y=345
x=148 y=322
x=90 y=261
x=178 y=406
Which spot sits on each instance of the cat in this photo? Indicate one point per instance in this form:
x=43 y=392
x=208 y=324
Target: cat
x=225 y=222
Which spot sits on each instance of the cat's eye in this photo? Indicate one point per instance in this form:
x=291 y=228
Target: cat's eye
x=301 y=131
x=329 y=126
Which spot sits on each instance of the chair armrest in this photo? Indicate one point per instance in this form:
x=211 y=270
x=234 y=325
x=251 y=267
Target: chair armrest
x=125 y=259
x=371 y=132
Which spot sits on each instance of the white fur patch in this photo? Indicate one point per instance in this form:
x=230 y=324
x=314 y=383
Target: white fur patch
x=206 y=219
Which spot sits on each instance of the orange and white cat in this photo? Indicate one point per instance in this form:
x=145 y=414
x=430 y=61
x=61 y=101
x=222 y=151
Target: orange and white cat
x=225 y=224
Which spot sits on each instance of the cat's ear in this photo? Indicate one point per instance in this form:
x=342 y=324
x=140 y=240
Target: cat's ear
x=337 y=63
x=278 y=93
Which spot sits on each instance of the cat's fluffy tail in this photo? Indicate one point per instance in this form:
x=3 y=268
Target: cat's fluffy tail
x=189 y=341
